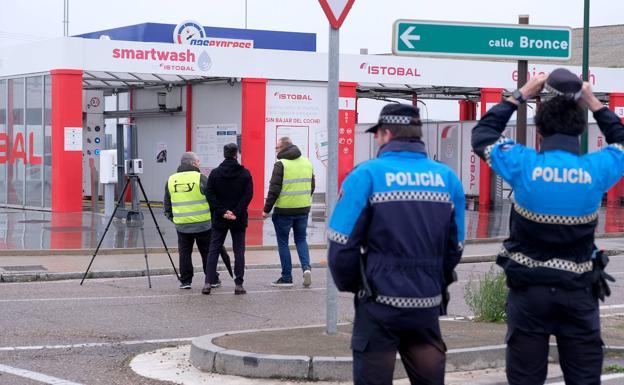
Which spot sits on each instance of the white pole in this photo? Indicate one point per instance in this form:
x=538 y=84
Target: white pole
x=66 y=18
x=332 y=166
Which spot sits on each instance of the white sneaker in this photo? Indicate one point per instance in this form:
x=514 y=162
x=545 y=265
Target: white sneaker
x=307 y=278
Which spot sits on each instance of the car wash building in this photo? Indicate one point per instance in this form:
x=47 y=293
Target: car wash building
x=192 y=88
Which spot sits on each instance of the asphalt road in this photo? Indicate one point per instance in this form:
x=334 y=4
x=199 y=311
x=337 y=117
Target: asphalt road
x=88 y=334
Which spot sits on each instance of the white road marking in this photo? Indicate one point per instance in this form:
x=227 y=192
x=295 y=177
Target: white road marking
x=35 y=376
x=607 y=307
x=157 y=296
x=93 y=344
x=603 y=378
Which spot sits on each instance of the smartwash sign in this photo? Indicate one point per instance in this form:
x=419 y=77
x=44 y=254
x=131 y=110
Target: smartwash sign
x=191 y=58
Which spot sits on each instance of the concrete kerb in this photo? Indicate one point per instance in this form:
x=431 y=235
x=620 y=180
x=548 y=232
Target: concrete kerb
x=174 y=250
x=209 y=357
x=47 y=276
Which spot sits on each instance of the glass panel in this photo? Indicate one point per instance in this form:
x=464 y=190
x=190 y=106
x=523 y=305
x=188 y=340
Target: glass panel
x=34 y=140
x=17 y=151
x=47 y=145
x=3 y=139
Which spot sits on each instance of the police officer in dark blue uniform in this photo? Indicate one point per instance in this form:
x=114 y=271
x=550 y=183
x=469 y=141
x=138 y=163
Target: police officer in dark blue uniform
x=395 y=238
x=554 y=271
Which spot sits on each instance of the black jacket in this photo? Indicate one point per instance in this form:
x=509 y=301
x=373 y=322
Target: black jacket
x=230 y=187
x=188 y=227
x=275 y=184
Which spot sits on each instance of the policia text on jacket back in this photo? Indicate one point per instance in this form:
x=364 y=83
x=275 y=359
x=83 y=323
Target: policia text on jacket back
x=395 y=239
x=554 y=271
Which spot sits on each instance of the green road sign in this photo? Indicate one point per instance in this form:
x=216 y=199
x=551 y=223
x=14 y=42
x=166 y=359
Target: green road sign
x=502 y=41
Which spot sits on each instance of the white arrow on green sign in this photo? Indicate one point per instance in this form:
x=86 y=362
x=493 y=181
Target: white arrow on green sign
x=502 y=41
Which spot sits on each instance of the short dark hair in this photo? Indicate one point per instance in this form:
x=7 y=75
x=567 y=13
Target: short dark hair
x=560 y=115
x=413 y=130
x=230 y=151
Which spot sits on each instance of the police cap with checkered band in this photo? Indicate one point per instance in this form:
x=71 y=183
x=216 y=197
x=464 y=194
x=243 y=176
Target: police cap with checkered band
x=564 y=83
x=397 y=113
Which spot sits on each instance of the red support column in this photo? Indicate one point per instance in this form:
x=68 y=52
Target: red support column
x=346 y=129
x=253 y=136
x=489 y=96
x=66 y=164
x=189 y=116
x=616 y=103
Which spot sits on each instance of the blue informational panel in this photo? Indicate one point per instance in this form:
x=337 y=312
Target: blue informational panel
x=170 y=33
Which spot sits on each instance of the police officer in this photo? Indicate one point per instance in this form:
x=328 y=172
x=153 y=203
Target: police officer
x=290 y=191
x=553 y=268
x=395 y=238
x=186 y=205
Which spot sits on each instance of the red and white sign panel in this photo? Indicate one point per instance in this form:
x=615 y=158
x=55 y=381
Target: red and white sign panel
x=336 y=11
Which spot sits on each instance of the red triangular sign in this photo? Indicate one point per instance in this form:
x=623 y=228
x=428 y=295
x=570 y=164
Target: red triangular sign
x=336 y=10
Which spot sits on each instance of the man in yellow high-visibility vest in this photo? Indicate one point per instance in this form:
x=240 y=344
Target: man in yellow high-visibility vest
x=186 y=205
x=290 y=192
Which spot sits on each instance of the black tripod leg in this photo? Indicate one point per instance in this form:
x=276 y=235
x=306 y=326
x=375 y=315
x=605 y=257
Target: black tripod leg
x=110 y=220
x=149 y=279
x=158 y=228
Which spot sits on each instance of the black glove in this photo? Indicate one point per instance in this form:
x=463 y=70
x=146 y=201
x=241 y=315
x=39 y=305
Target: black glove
x=600 y=287
x=446 y=296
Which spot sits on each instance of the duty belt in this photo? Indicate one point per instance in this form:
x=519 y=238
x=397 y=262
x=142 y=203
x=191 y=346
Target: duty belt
x=553 y=263
x=404 y=303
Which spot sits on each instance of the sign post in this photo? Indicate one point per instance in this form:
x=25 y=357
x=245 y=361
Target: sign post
x=336 y=11
x=497 y=41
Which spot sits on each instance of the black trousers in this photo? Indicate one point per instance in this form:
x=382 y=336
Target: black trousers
x=216 y=244
x=375 y=346
x=572 y=316
x=185 y=249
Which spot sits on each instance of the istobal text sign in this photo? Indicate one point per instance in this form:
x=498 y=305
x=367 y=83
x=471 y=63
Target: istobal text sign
x=503 y=41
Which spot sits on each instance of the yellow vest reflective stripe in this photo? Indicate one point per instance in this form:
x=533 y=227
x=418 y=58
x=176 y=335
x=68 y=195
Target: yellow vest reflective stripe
x=296 y=184
x=188 y=204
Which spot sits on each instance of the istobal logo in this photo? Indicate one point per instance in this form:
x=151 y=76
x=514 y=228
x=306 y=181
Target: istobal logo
x=188 y=32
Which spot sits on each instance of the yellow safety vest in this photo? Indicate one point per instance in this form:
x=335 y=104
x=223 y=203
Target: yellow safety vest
x=296 y=184
x=188 y=204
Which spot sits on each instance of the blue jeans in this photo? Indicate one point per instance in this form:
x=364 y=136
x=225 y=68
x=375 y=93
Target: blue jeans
x=283 y=224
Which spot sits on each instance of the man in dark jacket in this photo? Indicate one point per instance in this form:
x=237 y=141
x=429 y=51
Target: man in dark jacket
x=230 y=189
x=290 y=191
x=396 y=236
x=186 y=205
x=554 y=271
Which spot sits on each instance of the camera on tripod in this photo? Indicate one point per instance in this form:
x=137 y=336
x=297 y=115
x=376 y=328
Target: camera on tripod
x=134 y=166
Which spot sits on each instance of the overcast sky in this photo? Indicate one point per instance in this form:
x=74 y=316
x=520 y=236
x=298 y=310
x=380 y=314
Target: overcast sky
x=369 y=24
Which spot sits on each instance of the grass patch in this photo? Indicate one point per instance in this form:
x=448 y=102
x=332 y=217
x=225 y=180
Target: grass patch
x=613 y=368
x=487 y=296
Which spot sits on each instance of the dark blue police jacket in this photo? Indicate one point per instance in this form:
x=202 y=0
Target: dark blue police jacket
x=405 y=213
x=557 y=194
